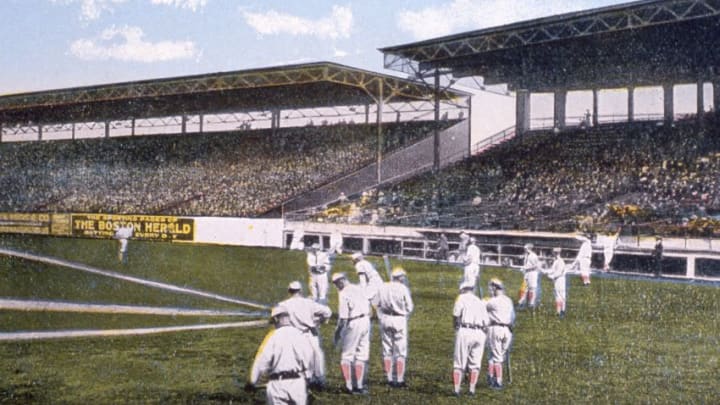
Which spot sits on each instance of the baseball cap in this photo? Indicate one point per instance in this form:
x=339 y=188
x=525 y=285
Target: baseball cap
x=466 y=285
x=528 y=246
x=315 y=246
x=497 y=283
x=356 y=256
x=398 y=272
x=278 y=310
x=338 y=276
x=463 y=235
x=294 y=286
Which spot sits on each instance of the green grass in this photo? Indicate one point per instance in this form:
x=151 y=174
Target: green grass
x=623 y=341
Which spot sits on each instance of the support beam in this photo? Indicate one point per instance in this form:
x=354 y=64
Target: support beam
x=183 y=124
x=559 y=103
x=201 y=118
x=522 y=111
x=668 y=102
x=716 y=94
x=380 y=137
x=73 y=130
x=595 y=108
x=436 y=132
x=631 y=104
x=107 y=129
x=40 y=132
x=700 y=98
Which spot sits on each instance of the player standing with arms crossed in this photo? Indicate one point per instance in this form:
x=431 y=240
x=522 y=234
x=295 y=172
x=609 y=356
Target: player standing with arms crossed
x=531 y=268
x=470 y=319
x=353 y=332
x=394 y=305
x=306 y=315
x=318 y=263
x=283 y=356
x=502 y=318
x=556 y=273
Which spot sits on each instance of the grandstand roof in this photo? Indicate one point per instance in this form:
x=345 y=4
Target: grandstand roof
x=312 y=85
x=643 y=42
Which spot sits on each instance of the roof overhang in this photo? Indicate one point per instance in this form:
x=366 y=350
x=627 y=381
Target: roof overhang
x=313 y=85
x=643 y=42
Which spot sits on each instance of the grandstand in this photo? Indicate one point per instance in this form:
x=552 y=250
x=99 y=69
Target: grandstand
x=234 y=144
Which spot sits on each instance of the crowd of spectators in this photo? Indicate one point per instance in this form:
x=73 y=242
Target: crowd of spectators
x=228 y=174
x=664 y=175
x=246 y=173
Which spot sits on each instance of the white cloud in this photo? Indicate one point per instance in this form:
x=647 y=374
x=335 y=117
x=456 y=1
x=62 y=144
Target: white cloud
x=464 y=15
x=337 y=25
x=91 y=9
x=128 y=45
x=193 y=5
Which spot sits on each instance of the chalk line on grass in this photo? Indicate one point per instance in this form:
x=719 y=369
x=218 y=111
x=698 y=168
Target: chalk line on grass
x=57 y=306
x=119 y=276
x=61 y=334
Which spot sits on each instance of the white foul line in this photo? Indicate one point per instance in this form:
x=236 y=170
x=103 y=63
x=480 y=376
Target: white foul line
x=155 y=284
x=56 y=306
x=10 y=336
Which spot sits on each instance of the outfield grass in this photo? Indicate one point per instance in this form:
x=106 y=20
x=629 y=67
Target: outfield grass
x=623 y=341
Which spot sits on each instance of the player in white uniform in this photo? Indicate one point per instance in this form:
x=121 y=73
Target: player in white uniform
x=123 y=234
x=283 y=357
x=394 y=305
x=531 y=267
x=584 y=256
x=471 y=261
x=369 y=277
x=470 y=319
x=353 y=332
x=318 y=263
x=502 y=318
x=556 y=273
x=306 y=315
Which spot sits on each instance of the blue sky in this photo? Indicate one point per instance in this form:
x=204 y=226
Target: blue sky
x=50 y=44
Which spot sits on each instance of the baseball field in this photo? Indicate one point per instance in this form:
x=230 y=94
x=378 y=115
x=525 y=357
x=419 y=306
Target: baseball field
x=622 y=341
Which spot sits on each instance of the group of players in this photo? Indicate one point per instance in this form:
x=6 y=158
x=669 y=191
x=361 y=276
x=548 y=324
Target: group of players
x=291 y=355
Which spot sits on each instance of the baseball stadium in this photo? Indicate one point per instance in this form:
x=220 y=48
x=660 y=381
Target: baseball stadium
x=229 y=182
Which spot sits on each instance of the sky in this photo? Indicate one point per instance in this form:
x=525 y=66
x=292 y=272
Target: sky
x=51 y=44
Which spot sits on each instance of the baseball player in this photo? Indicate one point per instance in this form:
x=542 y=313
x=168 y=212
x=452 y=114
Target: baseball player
x=306 y=314
x=502 y=318
x=352 y=332
x=556 y=273
x=283 y=357
x=394 y=305
x=123 y=234
x=369 y=277
x=471 y=261
x=470 y=319
x=531 y=267
x=318 y=263
x=582 y=261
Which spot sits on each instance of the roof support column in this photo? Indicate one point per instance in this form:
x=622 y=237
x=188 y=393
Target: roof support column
x=522 y=111
x=107 y=129
x=595 y=108
x=367 y=113
x=560 y=101
x=183 y=124
x=700 y=98
x=39 y=132
x=201 y=118
x=631 y=103
x=132 y=128
x=668 y=102
x=380 y=137
x=1 y=132
x=436 y=132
